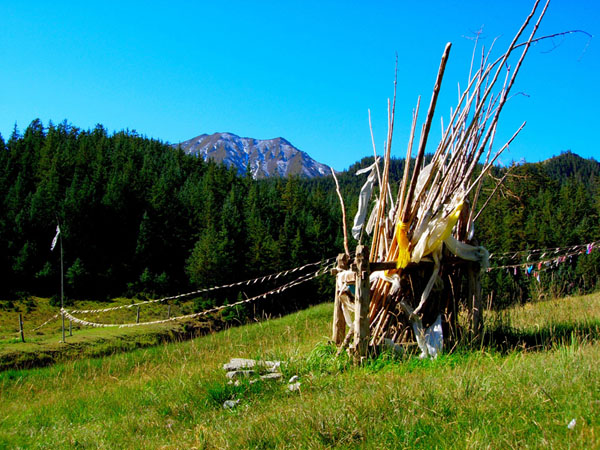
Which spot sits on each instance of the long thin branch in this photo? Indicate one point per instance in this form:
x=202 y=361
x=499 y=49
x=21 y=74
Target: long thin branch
x=424 y=134
x=492 y=194
x=345 y=227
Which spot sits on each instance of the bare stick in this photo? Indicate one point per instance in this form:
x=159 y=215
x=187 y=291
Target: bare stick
x=493 y=193
x=425 y=132
x=337 y=189
x=374 y=150
x=400 y=201
x=386 y=170
x=487 y=168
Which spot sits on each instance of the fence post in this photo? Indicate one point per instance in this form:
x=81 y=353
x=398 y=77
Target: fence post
x=62 y=314
x=339 y=323
x=361 y=302
x=21 y=327
x=70 y=327
x=137 y=317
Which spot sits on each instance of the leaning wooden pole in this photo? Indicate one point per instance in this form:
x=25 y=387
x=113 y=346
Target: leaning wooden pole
x=425 y=133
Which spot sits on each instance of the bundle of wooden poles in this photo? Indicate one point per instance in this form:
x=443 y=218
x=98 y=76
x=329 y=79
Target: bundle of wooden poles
x=427 y=227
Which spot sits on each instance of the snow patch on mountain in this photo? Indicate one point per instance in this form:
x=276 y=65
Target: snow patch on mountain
x=266 y=157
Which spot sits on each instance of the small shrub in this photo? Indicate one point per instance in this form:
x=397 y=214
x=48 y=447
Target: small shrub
x=7 y=305
x=201 y=304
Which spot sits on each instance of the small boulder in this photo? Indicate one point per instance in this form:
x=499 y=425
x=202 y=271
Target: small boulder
x=230 y=404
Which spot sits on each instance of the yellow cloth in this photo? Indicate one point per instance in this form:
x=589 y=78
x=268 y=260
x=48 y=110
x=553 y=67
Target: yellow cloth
x=402 y=239
x=451 y=222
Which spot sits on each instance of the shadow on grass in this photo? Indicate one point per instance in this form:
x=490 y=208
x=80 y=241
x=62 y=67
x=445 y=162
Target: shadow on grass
x=506 y=338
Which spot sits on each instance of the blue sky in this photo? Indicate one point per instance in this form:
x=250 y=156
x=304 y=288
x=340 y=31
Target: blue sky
x=307 y=71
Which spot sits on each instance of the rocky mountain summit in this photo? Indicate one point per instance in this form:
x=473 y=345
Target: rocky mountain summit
x=266 y=158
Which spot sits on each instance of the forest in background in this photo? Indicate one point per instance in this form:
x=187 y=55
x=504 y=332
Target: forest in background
x=140 y=218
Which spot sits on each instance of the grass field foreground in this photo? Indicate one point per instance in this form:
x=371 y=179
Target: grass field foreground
x=171 y=396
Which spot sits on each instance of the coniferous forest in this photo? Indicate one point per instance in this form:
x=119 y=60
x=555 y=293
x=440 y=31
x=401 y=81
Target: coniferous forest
x=141 y=218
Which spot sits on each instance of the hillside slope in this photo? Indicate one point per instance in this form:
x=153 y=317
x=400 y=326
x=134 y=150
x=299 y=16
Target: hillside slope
x=568 y=166
x=172 y=396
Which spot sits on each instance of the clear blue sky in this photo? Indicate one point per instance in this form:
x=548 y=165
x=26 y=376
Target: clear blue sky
x=307 y=71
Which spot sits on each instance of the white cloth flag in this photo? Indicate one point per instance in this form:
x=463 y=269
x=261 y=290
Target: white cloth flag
x=55 y=238
x=363 y=199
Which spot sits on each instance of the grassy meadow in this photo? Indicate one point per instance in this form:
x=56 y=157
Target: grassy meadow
x=536 y=373
x=43 y=344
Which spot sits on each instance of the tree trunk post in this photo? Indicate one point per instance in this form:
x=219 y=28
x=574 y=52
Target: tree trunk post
x=339 y=323
x=361 y=303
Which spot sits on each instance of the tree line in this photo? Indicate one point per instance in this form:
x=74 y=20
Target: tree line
x=139 y=217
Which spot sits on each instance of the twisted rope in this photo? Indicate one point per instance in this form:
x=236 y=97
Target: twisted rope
x=529 y=253
x=16 y=333
x=560 y=255
x=55 y=316
x=258 y=280
x=278 y=290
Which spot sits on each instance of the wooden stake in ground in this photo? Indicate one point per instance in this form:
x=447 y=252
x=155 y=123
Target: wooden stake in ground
x=21 y=327
x=339 y=322
x=361 y=305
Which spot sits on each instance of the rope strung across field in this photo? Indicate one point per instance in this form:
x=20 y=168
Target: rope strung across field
x=543 y=251
x=278 y=290
x=16 y=333
x=253 y=281
x=559 y=255
x=55 y=316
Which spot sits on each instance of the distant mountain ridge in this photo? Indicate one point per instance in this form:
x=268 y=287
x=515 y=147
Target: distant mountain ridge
x=266 y=157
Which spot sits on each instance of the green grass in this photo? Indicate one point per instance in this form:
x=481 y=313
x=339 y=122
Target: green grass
x=171 y=395
x=44 y=347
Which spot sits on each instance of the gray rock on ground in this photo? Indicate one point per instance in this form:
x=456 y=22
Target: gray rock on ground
x=245 y=364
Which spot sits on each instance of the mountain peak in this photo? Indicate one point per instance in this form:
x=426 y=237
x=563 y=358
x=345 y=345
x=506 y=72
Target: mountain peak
x=266 y=157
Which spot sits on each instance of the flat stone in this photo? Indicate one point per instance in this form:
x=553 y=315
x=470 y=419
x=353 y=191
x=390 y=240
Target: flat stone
x=239 y=374
x=271 y=376
x=239 y=363
x=244 y=363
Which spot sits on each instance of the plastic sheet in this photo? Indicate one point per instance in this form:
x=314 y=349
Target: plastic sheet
x=430 y=340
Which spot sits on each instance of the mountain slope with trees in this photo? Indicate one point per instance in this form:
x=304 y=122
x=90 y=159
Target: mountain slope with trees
x=138 y=216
